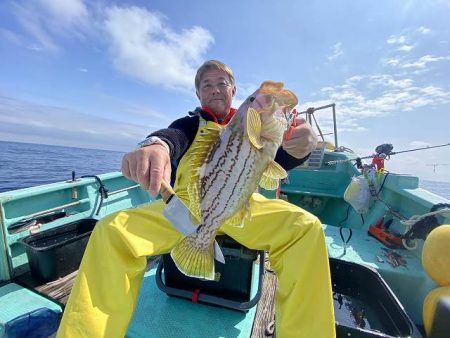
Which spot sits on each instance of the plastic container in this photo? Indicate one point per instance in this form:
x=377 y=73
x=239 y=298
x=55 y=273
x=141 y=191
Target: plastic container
x=365 y=306
x=232 y=286
x=57 y=252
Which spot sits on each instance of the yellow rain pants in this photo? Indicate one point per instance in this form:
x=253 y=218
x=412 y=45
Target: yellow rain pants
x=105 y=292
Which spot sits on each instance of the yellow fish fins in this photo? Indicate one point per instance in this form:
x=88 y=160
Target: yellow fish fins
x=271 y=177
x=254 y=128
x=199 y=155
x=238 y=218
x=195 y=258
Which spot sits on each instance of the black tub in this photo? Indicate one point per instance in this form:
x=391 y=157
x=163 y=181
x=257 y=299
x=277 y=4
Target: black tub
x=364 y=304
x=57 y=252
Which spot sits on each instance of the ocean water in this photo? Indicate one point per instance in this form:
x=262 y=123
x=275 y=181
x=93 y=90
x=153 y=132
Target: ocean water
x=439 y=188
x=24 y=165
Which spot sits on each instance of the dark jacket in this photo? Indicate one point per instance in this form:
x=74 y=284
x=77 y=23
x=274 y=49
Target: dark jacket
x=181 y=133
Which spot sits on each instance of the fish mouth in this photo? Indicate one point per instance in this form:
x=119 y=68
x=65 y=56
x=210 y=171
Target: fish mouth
x=282 y=116
x=274 y=101
x=276 y=96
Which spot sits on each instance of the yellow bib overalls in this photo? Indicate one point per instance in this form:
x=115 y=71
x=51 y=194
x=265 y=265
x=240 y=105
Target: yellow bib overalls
x=105 y=292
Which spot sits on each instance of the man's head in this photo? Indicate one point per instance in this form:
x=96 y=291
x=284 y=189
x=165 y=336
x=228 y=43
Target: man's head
x=215 y=87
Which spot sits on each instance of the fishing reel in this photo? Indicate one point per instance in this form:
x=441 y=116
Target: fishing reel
x=384 y=150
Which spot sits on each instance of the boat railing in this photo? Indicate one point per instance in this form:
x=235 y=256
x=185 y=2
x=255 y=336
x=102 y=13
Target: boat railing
x=26 y=221
x=309 y=116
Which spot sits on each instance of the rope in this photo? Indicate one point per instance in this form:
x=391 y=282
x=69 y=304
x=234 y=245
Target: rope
x=103 y=191
x=416 y=218
x=376 y=195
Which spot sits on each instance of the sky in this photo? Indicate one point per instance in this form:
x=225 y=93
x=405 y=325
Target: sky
x=104 y=74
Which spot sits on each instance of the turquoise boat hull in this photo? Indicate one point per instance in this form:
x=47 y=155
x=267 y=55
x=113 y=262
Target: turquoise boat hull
x=319 y=189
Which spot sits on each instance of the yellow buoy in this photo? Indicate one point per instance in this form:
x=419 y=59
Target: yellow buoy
x=429 y=305
x=436 y=255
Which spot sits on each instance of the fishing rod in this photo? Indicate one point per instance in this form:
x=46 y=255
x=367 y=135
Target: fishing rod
x=416 y=149
x=385 y=150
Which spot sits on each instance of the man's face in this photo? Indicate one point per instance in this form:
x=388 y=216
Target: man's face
x=216 y=92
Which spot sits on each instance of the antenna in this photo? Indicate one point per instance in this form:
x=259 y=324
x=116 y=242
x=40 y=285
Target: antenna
x=434 y=165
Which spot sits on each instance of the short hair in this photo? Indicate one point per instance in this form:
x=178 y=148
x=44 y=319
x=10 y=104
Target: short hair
x=209 y=65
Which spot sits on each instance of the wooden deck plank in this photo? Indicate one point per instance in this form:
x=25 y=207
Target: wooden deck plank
x=265 y=311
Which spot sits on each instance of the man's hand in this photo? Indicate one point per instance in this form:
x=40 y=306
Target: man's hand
x=148 y=166
x=302 y=141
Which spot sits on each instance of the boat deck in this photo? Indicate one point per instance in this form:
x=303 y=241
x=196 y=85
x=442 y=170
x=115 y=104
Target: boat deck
x=361 y=249
x=59 y=290
x=393 y=265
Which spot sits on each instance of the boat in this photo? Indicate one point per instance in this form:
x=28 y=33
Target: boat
x=374 y=255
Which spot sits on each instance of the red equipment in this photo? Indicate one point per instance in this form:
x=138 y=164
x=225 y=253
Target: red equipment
x=378 y=162
x=380 y=231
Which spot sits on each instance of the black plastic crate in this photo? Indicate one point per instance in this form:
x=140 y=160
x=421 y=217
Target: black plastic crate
x=232 y=285
x=364 y=304
x=57 y=252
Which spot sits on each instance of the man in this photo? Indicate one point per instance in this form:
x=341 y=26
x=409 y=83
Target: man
x=104 y=295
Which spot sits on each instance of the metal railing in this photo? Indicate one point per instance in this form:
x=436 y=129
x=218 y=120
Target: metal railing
x=309 y=113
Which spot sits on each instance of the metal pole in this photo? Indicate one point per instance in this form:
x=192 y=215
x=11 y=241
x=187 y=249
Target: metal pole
x=6 y=249
x=335 y=126
x=71 y=204
x=331 y=105
x=47 y=211
x=124 y=189
x=319 y=108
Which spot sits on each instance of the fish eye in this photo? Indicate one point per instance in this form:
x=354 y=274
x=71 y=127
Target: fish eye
x=251 y=99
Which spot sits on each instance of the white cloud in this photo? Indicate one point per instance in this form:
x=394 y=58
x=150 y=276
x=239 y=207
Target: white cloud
x=142 y=45
x=10 y=36
x=32 y=122
x=392 y=62
x=405 y=48
x=67 y=13
x=424 y=30
x=32 y=22
x=45 y=19
x=420 y=64
x=396 y=39
x=423 y=61
x=365 y=96
x=337 y=51
x=401 y=41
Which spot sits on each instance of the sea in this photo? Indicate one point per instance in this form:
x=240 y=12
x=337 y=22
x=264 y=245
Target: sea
x=24 y=165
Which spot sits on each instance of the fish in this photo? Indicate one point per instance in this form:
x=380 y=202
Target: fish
x=226 y=167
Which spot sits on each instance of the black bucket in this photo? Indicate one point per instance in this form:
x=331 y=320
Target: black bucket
x=365 y=306
x=57 y=252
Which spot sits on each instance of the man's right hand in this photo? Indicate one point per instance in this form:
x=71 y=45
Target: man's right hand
x=148 y=166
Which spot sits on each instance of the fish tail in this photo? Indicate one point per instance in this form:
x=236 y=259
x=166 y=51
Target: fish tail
x=194 y=258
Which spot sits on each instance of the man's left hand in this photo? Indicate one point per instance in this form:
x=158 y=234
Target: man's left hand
x=303 y=139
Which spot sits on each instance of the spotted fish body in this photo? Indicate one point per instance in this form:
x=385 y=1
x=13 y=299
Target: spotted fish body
x=227 y=167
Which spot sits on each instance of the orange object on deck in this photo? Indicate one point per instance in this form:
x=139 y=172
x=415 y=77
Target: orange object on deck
x=381 y=232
